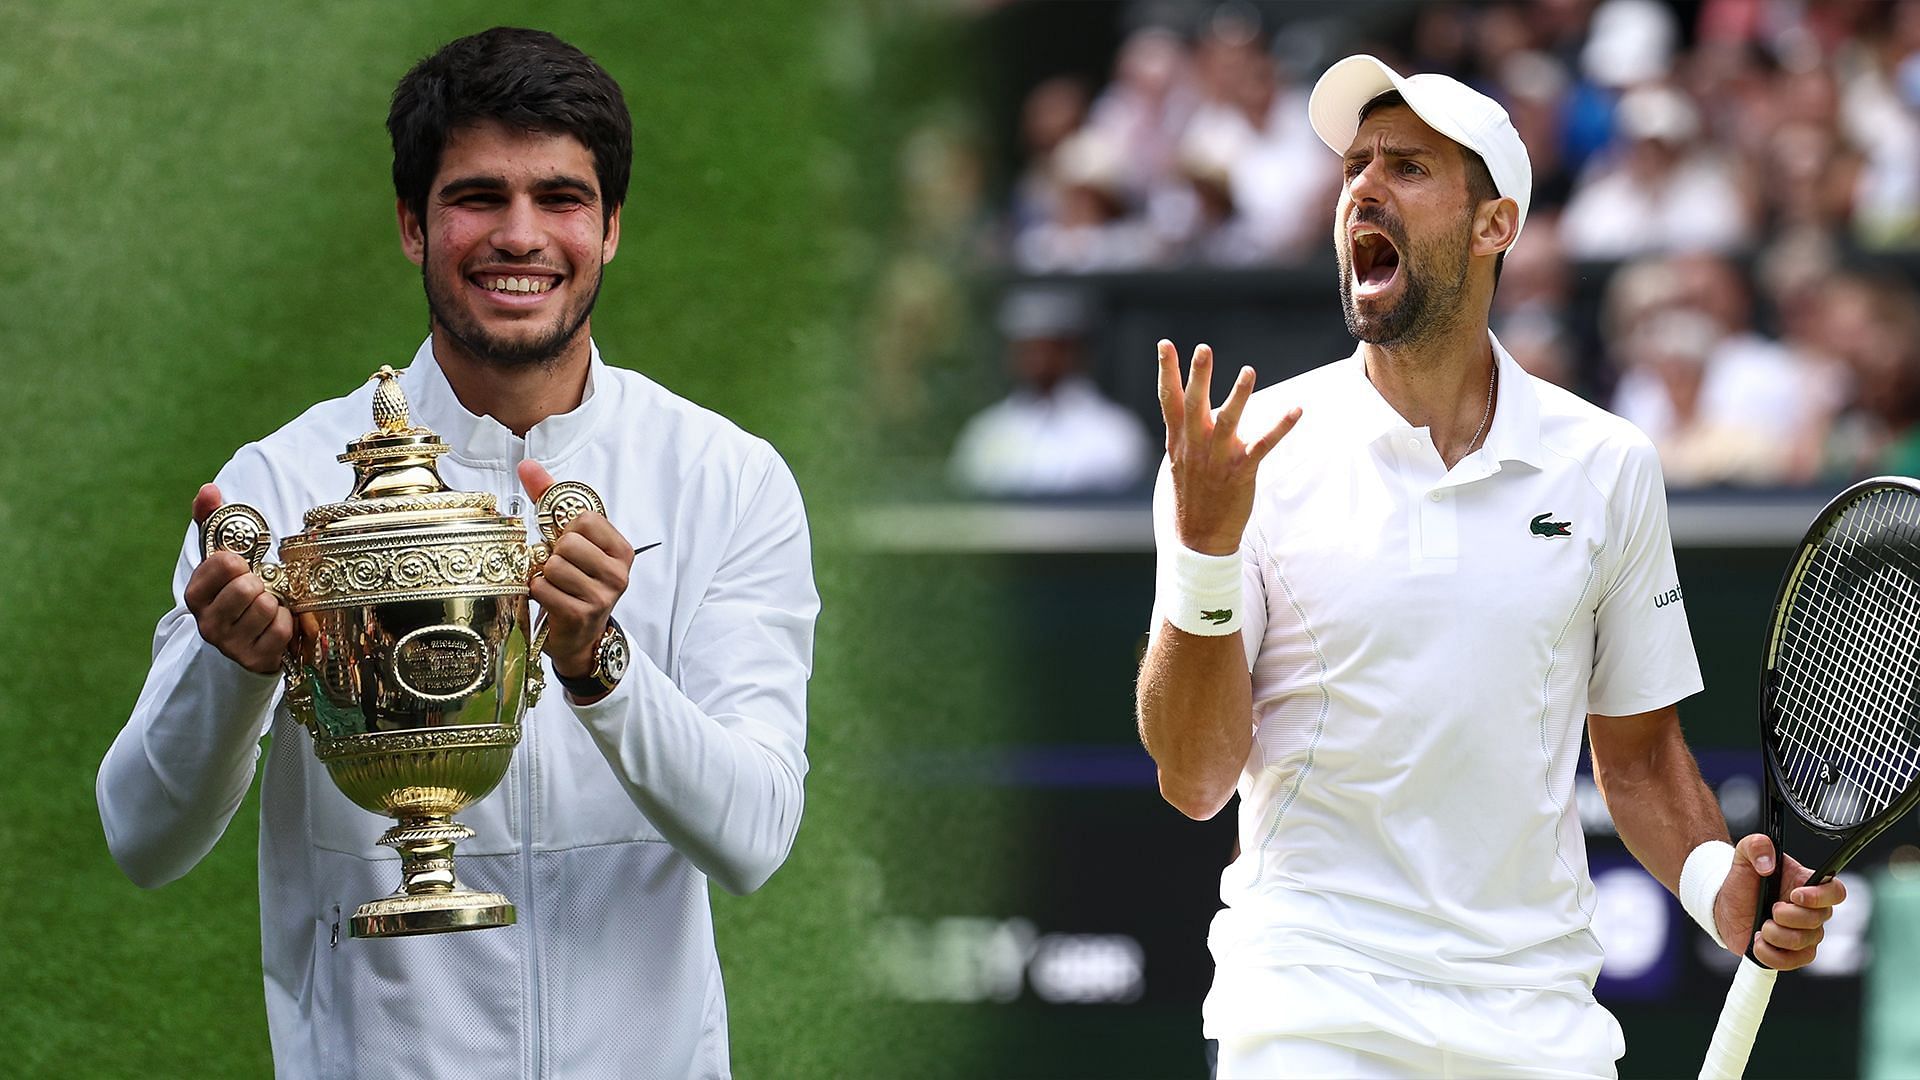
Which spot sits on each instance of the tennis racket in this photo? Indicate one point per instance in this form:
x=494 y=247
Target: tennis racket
x=1839 y=707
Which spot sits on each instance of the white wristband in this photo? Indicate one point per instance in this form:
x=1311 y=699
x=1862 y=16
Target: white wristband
x=1700 y=880
x=1203 y=595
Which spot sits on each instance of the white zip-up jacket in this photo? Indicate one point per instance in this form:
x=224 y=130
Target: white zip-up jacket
x=610 y=821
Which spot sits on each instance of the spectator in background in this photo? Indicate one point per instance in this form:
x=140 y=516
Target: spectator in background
x=1873 y=325
x=1662 y=191
x=1090 y=230
x=1534 y=85
x=1257 y=122
x=1145 y=108
x=1529 y=310
x=1878 y=112
x=1055 y=434
x=1541 y=346
x=1668 y=360
x=1629 y=43
x=1200 y=222
x=1723 y=403
x=1765 y=381
x=1053 y=111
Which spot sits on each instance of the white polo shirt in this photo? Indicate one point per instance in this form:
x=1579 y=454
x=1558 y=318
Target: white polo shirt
x=1425 y=646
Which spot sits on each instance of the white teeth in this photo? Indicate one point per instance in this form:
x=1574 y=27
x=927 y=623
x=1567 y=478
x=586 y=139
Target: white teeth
x=520 y=285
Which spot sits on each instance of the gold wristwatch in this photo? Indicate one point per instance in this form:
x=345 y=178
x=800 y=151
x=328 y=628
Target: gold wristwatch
x=610 y=658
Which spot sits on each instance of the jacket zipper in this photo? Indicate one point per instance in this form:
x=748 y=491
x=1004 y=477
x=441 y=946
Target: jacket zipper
x=527 y=750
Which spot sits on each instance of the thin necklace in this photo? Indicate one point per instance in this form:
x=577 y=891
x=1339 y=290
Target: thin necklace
x=1493 y=371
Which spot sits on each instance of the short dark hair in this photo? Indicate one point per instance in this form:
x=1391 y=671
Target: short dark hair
x=1480 y=185
x=525 y=79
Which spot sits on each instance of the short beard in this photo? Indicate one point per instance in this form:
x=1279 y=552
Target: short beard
x=1428 y=306
x=543 y=350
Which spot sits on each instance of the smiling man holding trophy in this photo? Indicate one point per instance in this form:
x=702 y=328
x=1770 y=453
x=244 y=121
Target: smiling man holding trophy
x=442 y=620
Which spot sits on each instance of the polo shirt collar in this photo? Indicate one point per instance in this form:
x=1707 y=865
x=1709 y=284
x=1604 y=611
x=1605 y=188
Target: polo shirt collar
x=482 y=440
x=1513 y=433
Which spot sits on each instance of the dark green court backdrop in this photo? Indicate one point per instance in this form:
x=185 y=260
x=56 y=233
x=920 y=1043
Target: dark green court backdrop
x=197 y=218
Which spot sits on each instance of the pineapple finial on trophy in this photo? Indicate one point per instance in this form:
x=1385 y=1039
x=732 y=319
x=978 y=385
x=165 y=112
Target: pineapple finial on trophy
x=389 y=404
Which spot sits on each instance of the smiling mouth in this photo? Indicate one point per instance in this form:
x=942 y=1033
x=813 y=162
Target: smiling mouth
x=1376 y=262
x=523 y=285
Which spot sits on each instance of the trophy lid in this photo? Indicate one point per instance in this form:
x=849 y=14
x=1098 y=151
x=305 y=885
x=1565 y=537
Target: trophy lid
x=396 y=480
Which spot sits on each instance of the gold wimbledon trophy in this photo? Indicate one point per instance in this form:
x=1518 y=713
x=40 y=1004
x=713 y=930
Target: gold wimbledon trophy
x=412 y=659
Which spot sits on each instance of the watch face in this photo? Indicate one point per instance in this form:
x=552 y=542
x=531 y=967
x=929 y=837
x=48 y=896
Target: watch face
x=613 y=656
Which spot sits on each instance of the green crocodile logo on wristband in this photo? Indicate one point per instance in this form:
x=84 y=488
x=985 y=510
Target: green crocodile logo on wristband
x=1217 y=616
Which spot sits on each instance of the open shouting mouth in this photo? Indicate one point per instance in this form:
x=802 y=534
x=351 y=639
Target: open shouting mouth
x=1376 y=262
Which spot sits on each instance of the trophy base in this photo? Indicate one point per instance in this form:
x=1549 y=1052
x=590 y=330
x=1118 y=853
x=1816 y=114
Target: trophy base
x=431 y=913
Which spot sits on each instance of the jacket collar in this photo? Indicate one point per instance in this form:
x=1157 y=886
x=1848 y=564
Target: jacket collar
x=482 y=440
x=1513 y=434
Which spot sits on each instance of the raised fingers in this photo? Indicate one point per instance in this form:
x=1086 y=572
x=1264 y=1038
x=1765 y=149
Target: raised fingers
x=1172 y=397
x=1229 y=418
x=1260 y=447
x=1199 y=389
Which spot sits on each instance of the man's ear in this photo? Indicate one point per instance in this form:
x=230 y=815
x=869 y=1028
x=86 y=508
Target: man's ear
x=1495 y=225
x=611 y=243
x=413 y=236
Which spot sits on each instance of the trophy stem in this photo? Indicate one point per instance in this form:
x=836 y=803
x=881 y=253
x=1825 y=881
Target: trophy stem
x=430 y=899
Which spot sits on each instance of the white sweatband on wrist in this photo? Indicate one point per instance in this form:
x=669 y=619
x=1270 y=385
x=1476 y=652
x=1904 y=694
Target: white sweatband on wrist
x=1203 y=592
x=1700 y=880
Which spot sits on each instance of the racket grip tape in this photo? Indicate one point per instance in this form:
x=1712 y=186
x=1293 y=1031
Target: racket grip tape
x=1739 y=1021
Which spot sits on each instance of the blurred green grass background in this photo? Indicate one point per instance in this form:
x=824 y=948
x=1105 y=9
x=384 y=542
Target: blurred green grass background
x=199 y=209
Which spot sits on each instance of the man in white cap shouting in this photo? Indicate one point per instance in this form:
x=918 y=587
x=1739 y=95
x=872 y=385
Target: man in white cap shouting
x=1392 y=591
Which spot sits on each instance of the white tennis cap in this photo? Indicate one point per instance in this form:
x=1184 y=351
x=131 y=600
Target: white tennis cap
x=1449 y=107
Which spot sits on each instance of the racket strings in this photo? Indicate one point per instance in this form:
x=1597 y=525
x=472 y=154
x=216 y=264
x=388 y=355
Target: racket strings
x=1847 y=664
x=1846 y=769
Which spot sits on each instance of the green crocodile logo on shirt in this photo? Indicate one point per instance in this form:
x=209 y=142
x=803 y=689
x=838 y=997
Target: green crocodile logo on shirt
x=1549 y=529
x=1218 y=615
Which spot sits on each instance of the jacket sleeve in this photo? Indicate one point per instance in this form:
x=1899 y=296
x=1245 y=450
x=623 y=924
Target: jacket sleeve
x=715 y=758
x=177 y=771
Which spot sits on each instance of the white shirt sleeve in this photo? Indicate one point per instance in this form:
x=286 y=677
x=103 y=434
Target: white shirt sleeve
x=1643 y=656
x=1253 y=589
x=179 y=768
x=715 y=757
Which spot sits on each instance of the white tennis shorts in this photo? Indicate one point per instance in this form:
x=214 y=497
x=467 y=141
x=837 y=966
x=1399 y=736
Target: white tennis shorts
x=1331 y=1022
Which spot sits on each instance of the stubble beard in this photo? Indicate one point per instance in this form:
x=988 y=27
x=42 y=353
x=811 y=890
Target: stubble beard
x=543 y=349
x=1428 y=305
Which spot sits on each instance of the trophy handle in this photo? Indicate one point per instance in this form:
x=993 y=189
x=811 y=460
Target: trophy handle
x=241 y=529
x=562 y=502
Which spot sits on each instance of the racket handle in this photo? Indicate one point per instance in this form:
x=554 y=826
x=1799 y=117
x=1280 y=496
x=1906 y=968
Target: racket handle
x=1739 y=1021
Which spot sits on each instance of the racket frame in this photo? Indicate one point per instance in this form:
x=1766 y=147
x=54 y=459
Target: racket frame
x=1851 y=839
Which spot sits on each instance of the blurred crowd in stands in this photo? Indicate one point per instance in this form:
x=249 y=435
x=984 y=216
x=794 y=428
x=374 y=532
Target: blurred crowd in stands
x=1734 y=186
